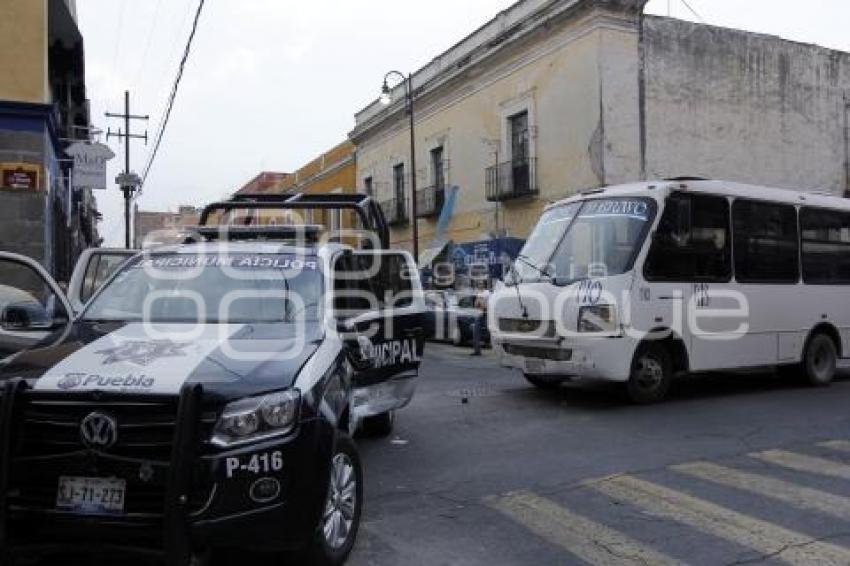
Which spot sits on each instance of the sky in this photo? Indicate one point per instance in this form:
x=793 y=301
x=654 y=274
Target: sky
x=270 y=84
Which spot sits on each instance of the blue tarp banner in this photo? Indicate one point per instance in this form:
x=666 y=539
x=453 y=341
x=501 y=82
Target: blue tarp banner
x=496 y=254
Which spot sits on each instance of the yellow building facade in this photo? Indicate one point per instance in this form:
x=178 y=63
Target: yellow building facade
x=23 y=51
x=43 y=105
x=334 y=171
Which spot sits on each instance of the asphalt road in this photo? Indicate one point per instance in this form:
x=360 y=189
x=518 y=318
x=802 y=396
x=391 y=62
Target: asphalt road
x=485 y=469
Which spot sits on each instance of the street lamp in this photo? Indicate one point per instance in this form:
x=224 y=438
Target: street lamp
x=386 y=99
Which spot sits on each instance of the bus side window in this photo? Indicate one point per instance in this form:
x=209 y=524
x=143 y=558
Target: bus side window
x=692 y=242
x=826 y=246
x=766 y=242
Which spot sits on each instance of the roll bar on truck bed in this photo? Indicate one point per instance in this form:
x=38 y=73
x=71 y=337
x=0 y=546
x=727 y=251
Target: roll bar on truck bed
x=365 y=207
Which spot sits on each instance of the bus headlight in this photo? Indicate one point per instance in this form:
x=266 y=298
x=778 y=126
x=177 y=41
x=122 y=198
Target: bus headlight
x=257 y=418
x=597 y=318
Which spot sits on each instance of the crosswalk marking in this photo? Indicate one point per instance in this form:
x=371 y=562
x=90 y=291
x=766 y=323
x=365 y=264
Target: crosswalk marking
x=840 y=445
x=590 y=541
x=804 y=463
x=764 y=537
x=792 y=494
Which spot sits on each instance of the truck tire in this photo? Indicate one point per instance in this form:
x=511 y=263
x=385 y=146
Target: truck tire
x=337 y=529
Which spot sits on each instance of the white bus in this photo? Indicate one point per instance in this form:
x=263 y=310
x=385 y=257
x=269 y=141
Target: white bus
x=641 y=283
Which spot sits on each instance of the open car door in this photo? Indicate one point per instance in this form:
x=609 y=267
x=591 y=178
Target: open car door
x=384 y=313
x=94 y=267
x=32 y=306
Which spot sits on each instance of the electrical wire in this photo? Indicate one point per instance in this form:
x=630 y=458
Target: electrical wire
x=694 y=12
x=171 y=97
x=144 y=61
x=117 y=46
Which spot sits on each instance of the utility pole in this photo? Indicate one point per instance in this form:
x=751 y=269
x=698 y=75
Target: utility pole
x=129 y=182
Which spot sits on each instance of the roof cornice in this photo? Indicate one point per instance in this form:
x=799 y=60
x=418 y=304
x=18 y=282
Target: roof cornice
x=507 y=29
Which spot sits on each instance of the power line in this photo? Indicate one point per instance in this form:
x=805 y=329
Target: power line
x=118 y=34
x=694 y=12
x=161 y=131
x=148 y=43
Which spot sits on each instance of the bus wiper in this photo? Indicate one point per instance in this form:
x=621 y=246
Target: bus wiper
x=516 y=286
x=541 y=270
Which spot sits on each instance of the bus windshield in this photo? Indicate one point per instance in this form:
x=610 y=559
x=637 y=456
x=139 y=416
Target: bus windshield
x=594 y=238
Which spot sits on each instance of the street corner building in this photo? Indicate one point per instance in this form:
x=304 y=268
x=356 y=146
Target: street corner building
x=332 y=172
x=550 y=98
x=43 y=107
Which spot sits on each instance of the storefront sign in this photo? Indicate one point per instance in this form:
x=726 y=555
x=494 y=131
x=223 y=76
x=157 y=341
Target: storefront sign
x=89 y=164
x=22 y=176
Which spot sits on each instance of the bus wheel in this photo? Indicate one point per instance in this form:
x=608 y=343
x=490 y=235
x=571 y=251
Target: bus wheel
x=543 y=382
x=820 y=359
x=651 y=374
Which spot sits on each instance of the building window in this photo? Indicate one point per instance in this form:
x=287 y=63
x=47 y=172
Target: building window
x=692 y=242
x=520 y=151
x=398 y=183
x=367 y=186
x=438 y=168
x=766 y=244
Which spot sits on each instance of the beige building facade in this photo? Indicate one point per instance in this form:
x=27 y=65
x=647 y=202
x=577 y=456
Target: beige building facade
x=551 y=98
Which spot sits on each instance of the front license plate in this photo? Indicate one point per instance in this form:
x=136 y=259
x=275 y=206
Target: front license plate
x=535 y=366
x=91 y=496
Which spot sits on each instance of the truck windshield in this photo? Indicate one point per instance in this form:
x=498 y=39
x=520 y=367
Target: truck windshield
x=594 y=238
x=212 y=288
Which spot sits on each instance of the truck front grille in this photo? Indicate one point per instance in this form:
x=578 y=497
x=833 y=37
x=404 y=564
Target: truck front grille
x=48 y=443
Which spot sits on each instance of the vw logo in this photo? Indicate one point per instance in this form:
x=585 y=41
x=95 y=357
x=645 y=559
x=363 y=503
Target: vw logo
x=99 y=431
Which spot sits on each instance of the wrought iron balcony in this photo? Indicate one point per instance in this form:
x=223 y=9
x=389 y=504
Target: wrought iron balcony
x=395 y=211
x=511 y=180
x=429 y=201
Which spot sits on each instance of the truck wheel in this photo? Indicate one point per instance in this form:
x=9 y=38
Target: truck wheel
x=337 y=528
x=819 y=360
x=651 y=375
x=379 y=425
x=543 y=382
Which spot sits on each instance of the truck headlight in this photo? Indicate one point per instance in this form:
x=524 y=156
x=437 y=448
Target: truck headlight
x=257 y=418
x=597 y=318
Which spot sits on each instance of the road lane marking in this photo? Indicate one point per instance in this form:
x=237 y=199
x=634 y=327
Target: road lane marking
x=761 y=536
x=590 y=541
x=786 y=492
x=840 y=445
x=804 y=463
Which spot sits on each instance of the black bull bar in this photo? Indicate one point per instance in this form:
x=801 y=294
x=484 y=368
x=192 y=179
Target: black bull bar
x=176 y=547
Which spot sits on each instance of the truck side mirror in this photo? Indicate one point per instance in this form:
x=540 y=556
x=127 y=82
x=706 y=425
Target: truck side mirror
x=23 y=317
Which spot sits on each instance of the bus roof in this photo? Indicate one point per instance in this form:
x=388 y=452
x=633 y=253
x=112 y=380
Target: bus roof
x=660 y=189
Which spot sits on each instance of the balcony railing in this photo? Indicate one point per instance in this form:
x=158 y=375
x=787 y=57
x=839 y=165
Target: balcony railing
x=429 y=201
x=511 y=180
x=395 y=211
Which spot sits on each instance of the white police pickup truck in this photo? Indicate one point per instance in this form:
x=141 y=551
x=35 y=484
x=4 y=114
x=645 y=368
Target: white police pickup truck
x=205 y=396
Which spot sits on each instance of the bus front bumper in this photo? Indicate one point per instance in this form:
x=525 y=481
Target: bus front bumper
x=606 y=358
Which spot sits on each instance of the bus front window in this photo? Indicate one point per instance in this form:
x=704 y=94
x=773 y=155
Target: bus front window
x=541 y=244
x=603 y=239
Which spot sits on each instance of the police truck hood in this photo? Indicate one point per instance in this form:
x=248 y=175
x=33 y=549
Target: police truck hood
x=229 y=360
